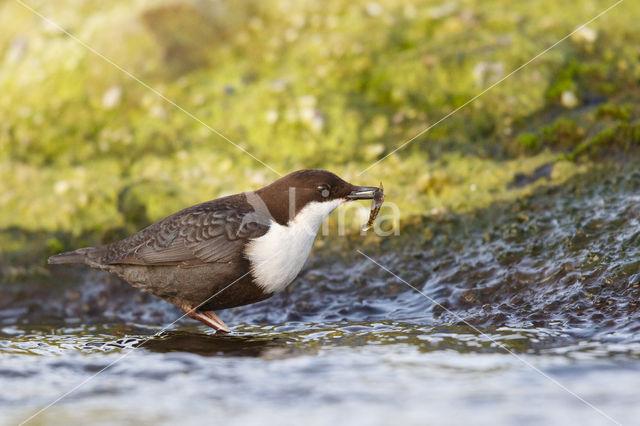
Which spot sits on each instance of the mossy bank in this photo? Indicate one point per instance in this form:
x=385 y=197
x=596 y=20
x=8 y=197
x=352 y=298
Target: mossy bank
x=88 y=154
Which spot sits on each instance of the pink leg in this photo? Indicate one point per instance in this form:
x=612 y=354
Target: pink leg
x=206 y=317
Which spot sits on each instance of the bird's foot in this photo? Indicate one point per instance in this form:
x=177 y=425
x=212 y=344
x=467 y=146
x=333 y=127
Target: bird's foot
x=206 y=317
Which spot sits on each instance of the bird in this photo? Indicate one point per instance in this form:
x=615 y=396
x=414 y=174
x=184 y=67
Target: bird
x=227 y=252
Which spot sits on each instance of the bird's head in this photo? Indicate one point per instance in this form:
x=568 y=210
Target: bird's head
x=314 y=191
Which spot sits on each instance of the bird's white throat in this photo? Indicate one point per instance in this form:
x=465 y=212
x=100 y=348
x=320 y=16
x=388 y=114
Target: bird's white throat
x=278 y=256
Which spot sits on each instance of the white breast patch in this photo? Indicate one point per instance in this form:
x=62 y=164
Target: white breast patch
x=278 y=256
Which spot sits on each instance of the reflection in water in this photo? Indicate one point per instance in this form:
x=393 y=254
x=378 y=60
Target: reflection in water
x=219 y=345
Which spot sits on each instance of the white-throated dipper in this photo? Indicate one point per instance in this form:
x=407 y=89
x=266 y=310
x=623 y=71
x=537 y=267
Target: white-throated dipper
x=227 y=252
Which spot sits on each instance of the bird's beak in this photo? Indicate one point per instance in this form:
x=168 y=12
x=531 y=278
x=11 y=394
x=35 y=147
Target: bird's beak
x=362 y=193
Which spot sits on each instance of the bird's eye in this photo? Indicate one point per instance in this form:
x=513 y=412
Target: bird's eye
x=324 y=190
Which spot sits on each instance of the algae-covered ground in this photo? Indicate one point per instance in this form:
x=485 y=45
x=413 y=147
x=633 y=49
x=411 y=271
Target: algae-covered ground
x=89 y=154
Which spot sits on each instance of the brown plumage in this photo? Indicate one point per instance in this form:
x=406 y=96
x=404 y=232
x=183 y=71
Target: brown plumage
x=196 y=259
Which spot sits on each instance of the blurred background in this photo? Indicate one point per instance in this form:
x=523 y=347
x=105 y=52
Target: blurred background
x=86 y=151
x=518 y=211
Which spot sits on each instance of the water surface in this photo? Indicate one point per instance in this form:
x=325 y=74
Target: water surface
x=529 y=314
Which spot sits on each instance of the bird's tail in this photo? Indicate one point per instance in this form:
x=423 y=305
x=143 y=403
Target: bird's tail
x=81 y=255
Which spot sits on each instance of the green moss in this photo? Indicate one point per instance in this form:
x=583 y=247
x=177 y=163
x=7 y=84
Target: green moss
x=613 y=111
x=562 y=82
x=563 y=133
x=529 y=141
x=89 y=153
x=618 y=139
x=54 y=245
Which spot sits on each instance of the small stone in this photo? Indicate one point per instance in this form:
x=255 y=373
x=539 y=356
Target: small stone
x=469 y=297
x=278 y=85
x=307 y=101
x=271 y=116
x=61 y=187
x=159 y=112
x=291 y=35
x=444 y=10
x=585 y=35
x=373 y=9
x=16 y=51
x=317 y=122
x=112 y=97
x=569 y=99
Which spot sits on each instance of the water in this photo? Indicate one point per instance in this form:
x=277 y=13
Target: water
x=530 y=314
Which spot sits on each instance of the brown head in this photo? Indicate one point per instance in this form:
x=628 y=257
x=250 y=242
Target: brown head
x=288 y=195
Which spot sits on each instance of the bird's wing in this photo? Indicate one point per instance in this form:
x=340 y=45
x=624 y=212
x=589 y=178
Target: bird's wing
x=210 y=232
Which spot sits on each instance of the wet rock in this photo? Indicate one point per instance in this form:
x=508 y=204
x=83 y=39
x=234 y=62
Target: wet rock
x=522 y=179
x=568 y=99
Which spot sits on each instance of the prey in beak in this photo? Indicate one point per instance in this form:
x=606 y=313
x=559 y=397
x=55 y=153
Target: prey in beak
x=363 y=192
x=369 y=193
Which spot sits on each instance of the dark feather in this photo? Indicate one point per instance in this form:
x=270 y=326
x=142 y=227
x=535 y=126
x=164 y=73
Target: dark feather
x=215 y=231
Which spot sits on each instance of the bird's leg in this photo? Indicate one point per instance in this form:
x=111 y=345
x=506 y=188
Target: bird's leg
x=214 y=319
x=206 y=317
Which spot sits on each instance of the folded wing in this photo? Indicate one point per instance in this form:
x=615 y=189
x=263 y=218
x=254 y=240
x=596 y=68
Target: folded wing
x=212 y=232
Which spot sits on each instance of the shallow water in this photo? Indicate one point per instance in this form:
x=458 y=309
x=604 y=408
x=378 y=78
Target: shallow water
x=529 y=314
x=363 y=373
